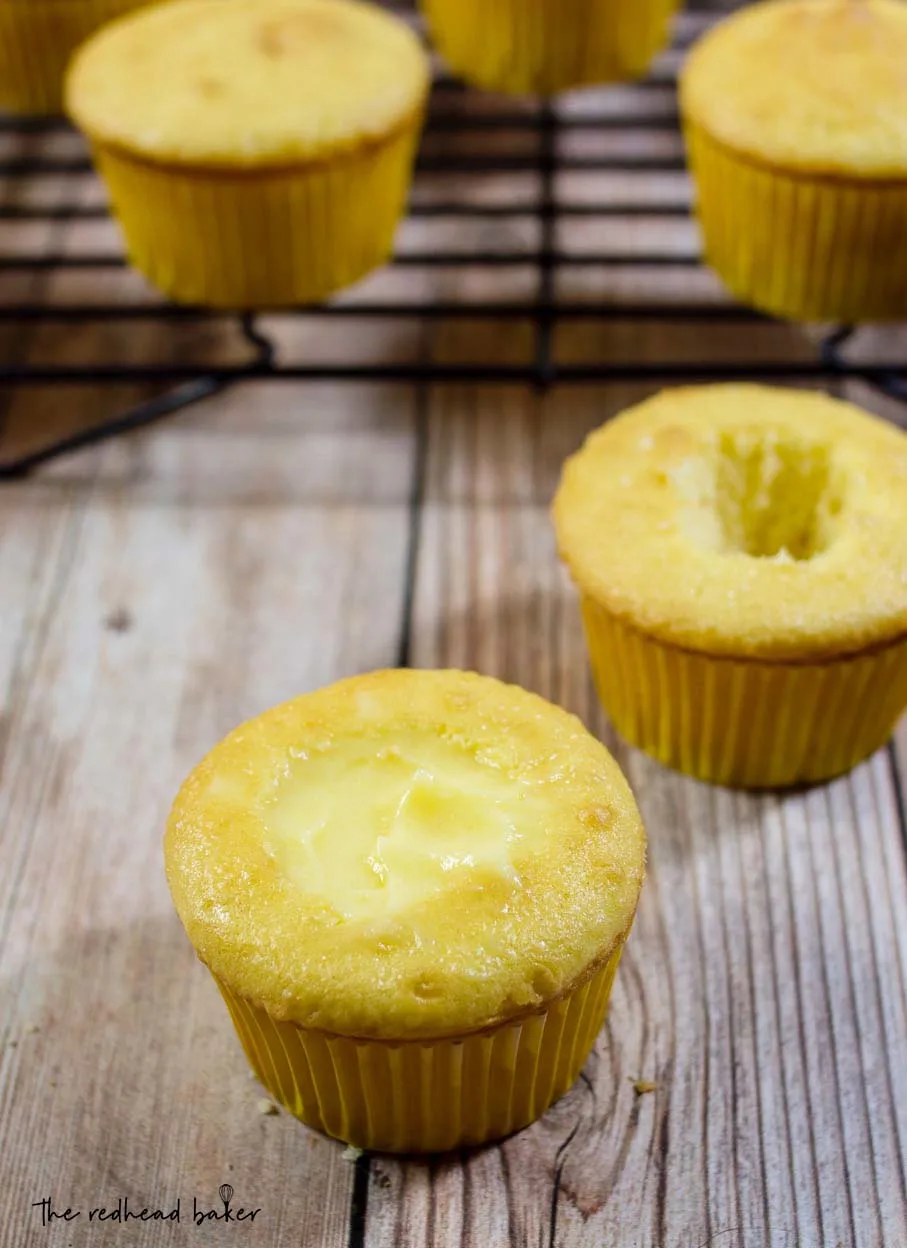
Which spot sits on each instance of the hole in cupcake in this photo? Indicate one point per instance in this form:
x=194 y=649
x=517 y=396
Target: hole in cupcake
x=765 y=496
x=774 y=496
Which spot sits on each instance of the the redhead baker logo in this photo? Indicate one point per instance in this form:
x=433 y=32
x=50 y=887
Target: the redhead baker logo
x=195 y=1211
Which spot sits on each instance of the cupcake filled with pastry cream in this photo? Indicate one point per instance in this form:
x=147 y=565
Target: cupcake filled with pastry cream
x=741 y=556
x=413 y=889
x=795 y=113
x=258 y=153
x=546 y=46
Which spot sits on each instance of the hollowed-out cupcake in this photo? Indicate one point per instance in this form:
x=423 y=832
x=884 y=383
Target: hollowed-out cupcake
x=258 y=153
x=413 y=890
x=545 y=46
x=795 y=113
x=741 y=554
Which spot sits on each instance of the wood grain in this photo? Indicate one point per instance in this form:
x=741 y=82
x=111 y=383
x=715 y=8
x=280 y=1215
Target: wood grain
x=143 y=623
x=763 y=990
x=158 y=591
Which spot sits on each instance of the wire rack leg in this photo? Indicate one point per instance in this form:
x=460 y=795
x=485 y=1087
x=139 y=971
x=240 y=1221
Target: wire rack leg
x=145 y=414
x=830 y=348
x=149 y=412
x=890 y=383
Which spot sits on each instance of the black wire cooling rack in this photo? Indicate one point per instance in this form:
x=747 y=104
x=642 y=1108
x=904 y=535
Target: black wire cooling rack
x=542 y=130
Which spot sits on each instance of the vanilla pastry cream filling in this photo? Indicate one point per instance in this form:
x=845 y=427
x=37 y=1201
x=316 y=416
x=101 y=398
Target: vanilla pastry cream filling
x=378 y=832
x=406 y=854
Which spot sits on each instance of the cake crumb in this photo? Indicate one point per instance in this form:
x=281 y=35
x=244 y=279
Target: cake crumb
x=350 y=1153
x=267 y=1107
x=642 y=1086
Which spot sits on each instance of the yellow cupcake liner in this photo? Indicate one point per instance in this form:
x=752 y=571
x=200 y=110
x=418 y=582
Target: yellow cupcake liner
x=799 y=246
x=545 y=46
x=37 y=38
x=431 y=1095
x=743 y=723
x=246 y=239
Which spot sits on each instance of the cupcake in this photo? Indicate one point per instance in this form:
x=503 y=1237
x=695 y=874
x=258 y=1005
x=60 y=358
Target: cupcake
x=37 y=38
x=257 y=152
x=795 y=114
x=544 y=46
x=413 y=890
x=741 y=555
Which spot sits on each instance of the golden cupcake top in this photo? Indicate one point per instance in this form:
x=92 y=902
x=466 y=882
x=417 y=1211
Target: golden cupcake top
x=811 y=85
x=406 y=854
x=743 y=520
x=250 y=82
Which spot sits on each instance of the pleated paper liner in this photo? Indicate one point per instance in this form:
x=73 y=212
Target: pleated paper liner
x=745 y=724
x=801 y=246
x=37 y=38
x=432 y=1095
x=546 y=46
x=261 y=238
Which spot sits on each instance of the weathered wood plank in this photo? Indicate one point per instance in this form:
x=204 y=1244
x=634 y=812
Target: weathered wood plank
x=764 y=986
x=170 y=614
x=257 y=546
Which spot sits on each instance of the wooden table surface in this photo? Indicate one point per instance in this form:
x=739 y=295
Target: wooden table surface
x=160 y=589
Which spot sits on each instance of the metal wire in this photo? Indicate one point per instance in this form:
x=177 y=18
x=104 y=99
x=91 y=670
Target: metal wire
x=543 y=131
